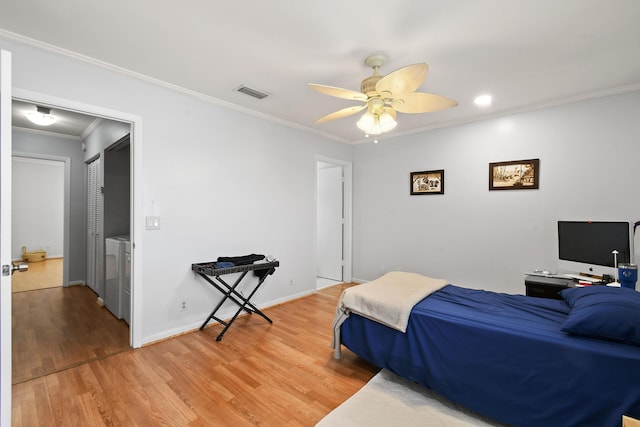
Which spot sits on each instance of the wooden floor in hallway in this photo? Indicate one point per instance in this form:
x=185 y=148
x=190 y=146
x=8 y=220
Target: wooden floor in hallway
x=56 y=328
x=40 y=275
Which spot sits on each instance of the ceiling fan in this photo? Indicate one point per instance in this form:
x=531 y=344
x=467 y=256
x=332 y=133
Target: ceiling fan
x=383 y=96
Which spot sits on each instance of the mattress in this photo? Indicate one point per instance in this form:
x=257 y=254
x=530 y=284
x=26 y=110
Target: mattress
x=504 y=356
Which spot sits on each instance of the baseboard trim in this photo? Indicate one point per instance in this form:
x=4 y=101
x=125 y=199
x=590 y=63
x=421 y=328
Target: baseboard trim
x=77 y=283
x=224 y=314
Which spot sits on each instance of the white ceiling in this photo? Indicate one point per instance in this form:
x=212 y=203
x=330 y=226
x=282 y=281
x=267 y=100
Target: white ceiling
x=526 y=53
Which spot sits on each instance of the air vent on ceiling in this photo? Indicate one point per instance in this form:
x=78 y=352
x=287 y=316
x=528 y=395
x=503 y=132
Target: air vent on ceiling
x=251 y=92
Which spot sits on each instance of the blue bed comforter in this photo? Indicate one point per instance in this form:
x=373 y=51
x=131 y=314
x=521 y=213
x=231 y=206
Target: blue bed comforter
x=504 y=356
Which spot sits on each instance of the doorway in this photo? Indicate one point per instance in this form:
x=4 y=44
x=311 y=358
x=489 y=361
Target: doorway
x=117 y=336
x=136 y=221
x=38 y=221
x=333 y=222
x=47 y=336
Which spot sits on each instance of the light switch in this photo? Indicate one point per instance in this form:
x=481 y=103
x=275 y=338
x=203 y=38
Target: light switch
x=153 y=222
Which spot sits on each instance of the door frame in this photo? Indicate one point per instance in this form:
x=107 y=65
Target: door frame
x=347 y=237
x=5 y=237
x=136 y=171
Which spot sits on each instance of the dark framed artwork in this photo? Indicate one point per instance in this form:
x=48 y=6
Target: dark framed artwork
x=514 y=175
x=427 y=182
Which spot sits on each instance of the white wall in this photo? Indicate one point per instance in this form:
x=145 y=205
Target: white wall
x=37 y=206
x=223 y=182
x=107 y=133
x=589 y=169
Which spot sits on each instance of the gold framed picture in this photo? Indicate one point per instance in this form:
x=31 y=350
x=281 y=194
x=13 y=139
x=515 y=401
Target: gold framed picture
x=427 y=182
x=514 y=175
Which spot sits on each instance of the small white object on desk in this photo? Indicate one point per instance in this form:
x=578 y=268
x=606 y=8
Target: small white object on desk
x=615 y=265
x=541 y=273
x=585 y=278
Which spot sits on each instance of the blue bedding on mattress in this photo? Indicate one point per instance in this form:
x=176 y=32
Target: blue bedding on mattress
x=504 y=356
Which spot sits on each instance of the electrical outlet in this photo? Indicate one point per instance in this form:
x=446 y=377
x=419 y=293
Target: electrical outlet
x=183 y=305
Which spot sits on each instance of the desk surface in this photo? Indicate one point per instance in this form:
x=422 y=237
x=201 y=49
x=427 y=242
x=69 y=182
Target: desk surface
x=209 y=268
x=548 y=280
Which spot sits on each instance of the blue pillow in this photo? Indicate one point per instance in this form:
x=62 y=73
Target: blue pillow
x=603 y=312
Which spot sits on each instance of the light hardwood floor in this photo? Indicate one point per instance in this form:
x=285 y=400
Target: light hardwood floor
x=56 y=328
x=40 y=275
x=258 y=375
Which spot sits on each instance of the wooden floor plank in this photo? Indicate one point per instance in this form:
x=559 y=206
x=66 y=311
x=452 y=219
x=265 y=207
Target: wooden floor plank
x=260 y=374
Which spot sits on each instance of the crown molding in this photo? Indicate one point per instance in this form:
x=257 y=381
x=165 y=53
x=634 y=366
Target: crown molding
x=508 y=112
x=215 y=101
x=124 y=71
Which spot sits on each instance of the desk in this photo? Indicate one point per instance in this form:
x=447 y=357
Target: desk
x=212 y=275
x=546 y=286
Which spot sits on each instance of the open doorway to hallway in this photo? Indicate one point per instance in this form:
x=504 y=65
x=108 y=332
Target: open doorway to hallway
x=47 y=335
x=333 y=222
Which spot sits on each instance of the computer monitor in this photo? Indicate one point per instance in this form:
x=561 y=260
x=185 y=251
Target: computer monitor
x=587 y=246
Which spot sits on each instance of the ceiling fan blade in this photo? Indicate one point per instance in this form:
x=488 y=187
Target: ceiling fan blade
x=419 y=102
x=404 y=80
x=341 y=113
x=339 y=92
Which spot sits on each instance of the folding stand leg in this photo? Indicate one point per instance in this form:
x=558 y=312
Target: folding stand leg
x=230 y=293
x=227 y=294
x=243 y=306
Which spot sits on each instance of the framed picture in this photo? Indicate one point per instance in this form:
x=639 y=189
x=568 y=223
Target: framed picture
x=427 y=182
x=514 y=175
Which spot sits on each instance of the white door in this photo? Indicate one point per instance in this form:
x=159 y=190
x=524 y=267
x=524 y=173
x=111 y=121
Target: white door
x=5 y=238
x=94 y=226
x=330 y=223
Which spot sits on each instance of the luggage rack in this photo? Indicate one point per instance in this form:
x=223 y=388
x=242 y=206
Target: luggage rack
x=211 y=274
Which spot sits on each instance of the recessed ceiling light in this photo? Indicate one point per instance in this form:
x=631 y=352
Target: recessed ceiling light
x=483 y=100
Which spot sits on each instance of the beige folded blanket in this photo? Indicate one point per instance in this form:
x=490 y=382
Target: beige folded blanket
x=387 y=300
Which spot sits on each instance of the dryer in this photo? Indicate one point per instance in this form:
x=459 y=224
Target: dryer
x=114 y=274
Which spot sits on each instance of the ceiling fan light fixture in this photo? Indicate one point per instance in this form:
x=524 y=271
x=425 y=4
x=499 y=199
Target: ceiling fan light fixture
x=385 y=96
x=387 y=122
x=41 y=117
x=367 y=123
x=375 y=124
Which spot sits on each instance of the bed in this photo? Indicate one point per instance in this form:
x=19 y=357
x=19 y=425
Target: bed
x=519 y=360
